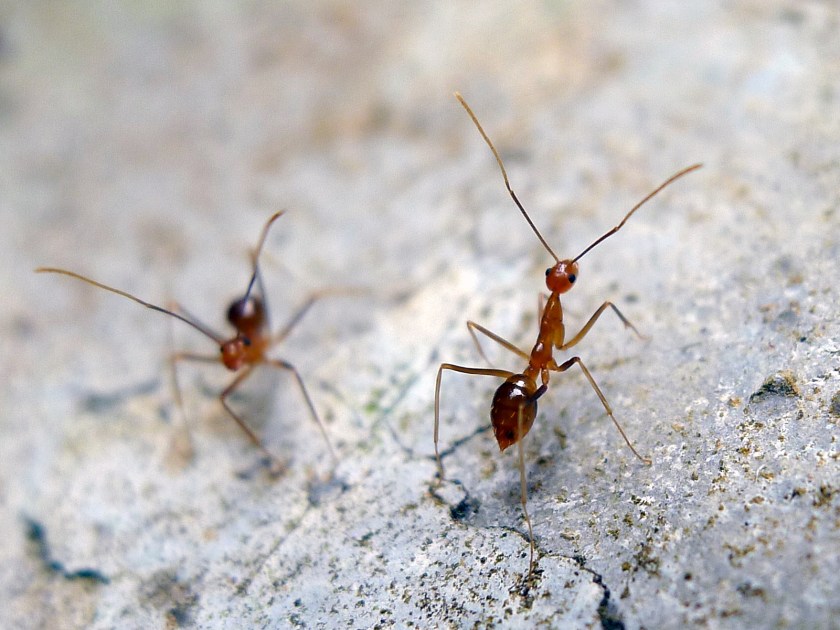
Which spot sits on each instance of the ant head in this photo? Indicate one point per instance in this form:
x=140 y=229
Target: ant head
x=246 y=314
x=233 y=352
x=562 y=276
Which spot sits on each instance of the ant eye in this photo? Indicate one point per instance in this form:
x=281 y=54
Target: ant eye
x=547 y=272
x=246 y=341
x=572 y=278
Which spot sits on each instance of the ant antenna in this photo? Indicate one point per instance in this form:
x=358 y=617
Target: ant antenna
x=504 y=174
x=257 y=251
x=650 y=195
x=525 y=214
x=205 y=331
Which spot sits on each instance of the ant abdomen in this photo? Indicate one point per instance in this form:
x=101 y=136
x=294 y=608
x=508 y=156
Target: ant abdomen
x=247 y=315
x=514 y=409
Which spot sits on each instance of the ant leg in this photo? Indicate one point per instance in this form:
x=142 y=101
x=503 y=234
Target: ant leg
x=202 y=358
x=277 y=466
x=523 y=487
x=565 y=366
x=175 y=357
x=175 y=382
x=294 y=320
x=285 y=365
x=464 y=370
x=472 y=327
x=574 y=340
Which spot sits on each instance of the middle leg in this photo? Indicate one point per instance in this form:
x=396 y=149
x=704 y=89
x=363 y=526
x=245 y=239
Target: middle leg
x=577 y=338
x=472 y=327
x=285 y=365
x=565 y=366
x=276 y=464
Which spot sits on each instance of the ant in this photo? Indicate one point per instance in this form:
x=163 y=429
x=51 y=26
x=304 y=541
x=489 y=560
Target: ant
x=514 y=406
x=241 y=353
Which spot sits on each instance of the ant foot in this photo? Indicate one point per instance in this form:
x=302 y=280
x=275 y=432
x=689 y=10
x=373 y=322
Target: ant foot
x=275 y=467
x=180 y=452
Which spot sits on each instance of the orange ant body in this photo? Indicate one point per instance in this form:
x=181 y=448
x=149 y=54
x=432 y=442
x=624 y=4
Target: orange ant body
x=514 y=406
x=242 y=352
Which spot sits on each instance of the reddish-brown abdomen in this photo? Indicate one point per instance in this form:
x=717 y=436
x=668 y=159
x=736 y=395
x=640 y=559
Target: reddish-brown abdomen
x=247 y=315
x=514 y=397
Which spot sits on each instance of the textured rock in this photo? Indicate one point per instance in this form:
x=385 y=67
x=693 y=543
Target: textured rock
x=146 y=147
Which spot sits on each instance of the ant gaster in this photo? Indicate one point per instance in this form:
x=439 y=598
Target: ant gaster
x=242 y=352
x=514 y=406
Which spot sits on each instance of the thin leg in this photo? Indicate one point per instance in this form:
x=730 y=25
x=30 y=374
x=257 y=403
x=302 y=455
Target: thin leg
x=174 y=359
x=566 y=365
x=294 y=320
x=574 y=340
x=246 y=372
x=464 y=370
x=285 y=365
x=472 y=327
x=523 y=487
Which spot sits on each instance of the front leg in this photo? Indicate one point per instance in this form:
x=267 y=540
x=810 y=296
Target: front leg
x=578 y=337
x=285 y=365
x=182 y=442
x=565 y=366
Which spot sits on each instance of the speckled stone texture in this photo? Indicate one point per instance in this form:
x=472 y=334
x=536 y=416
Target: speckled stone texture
x=145 y=144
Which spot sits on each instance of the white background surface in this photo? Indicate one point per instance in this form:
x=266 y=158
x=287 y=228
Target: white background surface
x=146 y=147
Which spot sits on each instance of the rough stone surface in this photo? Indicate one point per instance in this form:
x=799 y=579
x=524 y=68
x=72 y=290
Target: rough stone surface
x=146 y=144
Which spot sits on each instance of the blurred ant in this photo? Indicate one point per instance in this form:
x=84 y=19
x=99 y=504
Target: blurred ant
x=241 y=353
x=514 y=406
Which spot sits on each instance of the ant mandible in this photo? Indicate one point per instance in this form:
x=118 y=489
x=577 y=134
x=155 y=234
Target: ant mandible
x=514 y=406
x=241 y=353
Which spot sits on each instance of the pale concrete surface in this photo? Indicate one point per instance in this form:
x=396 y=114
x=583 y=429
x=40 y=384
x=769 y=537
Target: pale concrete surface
x=146 y=147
